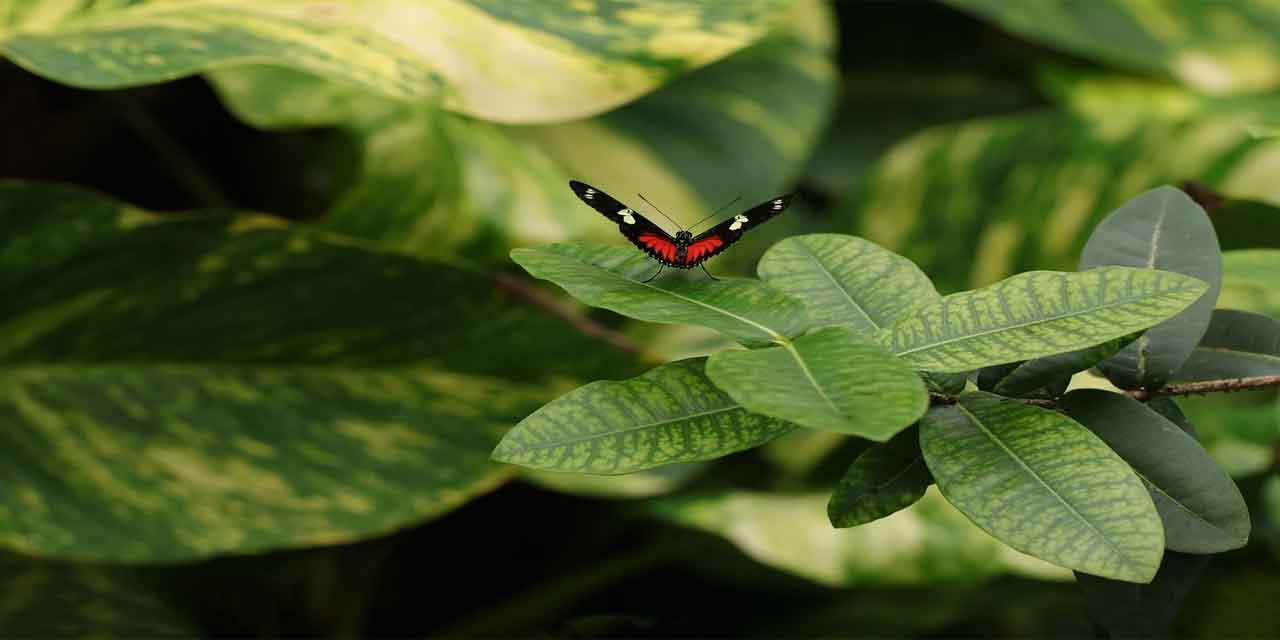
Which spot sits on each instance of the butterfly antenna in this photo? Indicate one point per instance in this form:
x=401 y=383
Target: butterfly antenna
x=655 y=208
x=722 y=208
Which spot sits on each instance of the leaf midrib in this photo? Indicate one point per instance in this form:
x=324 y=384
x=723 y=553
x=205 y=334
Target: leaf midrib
x=840 y=287
x=1182 y=506
x=804 y=368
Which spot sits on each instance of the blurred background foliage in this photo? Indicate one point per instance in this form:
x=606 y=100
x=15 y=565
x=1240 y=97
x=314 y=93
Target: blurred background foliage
x=273 y=417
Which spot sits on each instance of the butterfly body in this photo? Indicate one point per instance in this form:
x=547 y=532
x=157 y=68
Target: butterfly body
x=684 y=250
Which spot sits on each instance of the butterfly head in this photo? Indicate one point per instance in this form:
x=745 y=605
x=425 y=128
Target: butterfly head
x=684 y=237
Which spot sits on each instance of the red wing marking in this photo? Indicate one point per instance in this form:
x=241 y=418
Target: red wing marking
x=704 y=247
x=659 y=245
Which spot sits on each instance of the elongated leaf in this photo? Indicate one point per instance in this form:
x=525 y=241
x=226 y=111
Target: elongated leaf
x=189 y=386
x=1202 y=510
x=1047 y=377
x=929 y=542
x=1128 y=610
x=884 y=479
x=610 y=278
x=670 y=414
x=1160 y=229
x=1214 y=47
x=558 y=61
x=1037 y=314
x=846 y=281
x=1044 y=485
x=1238 y=344
x=828 y=379
x=1248 y=281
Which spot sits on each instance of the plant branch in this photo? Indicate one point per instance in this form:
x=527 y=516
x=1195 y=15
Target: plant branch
x=1225 y=385
x=522 y=290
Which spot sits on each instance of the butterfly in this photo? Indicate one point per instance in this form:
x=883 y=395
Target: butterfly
x=684 y=250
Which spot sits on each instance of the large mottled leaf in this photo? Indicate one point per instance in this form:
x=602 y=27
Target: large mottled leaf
x=1202 y=510
x=496 y=60
x=884 y=479
x=1238 y=344
x=975 y=202
x=1249 y=281
x=846 y=281
x=1128 y=610
x=1037 y=314
x=829 y=379
x=1049 y=376
x=1044 y=485
x=200 y=385
x=670 y=414
x=1162 y=229
x=1216 y=47
x=611 y=278
x=924 y=544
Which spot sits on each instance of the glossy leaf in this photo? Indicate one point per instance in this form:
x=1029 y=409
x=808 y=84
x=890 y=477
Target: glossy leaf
x=1048 y=377
x=1044 y=485
x=846 y=281
x=201 y=385
x=828 y=379
x=1036 y=314
x=1237 y=344
x=671 y=414
x=611 y=278
x=559 y=61
x=1128 y=610
x=886 y=478
x=929 y=542
x=1162 y=229
x=1213 y=47
x=1248 y=281
x=1202 y=510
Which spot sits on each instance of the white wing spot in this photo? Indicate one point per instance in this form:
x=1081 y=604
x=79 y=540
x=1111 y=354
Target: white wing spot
x=628 y=219
x=589 y=193
x=737 y=222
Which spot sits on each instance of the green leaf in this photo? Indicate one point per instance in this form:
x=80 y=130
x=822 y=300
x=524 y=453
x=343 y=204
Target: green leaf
x=559 y=62
x=1238 y=344
x=929 y=542
x=640 y=484
x=846 y=281
x=829 y=379
x=1161 y=229
x=1213 y=47
x=1044 y=485
x=188 y=386
x=1047 y=377
x=884 y=479
x=1128 y=610
x=1036 y=314
x=1248 y=281
x=1202 y=510
x=610 y=278
x=671 y=414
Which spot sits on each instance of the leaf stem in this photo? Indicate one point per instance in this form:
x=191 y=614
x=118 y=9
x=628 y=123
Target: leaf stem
x=523 y=290
x=1224 y=385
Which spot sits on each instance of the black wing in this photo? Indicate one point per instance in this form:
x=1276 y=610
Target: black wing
x=711 y=242
x=644 y=234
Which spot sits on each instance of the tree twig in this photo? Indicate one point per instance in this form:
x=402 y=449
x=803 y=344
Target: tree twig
x=1184 y=389
x=522 y=290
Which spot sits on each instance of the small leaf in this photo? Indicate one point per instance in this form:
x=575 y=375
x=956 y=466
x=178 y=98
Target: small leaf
x=1202 y=510
x=845 y=281
x=1044 y=485
x=1161 y=229
x=1049 y=376
x=1128 y=610
x=670 y=414
x=1035 y=314
x=1238 y=344
x=610 y=278
x=829 y=379
x=946 y=383
x=885 y=478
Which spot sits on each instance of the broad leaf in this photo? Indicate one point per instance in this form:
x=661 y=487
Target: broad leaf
x=846 y=281
x=828 y=379
x=202 y=384
x=640 y=484
x=1128 y=610
x=929 y=542
x=1202 y=510
x=886 y=478
x=1249 y=281
x=1046 y=377
x=1213 y=47
x=1037 y=314
x=611 y=278
x=671 y=414
x=1161 y=229
x=1044 y=485
x=558 y=61
x=1238 y=344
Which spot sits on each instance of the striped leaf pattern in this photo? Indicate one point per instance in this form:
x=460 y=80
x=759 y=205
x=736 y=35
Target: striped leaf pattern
x=1044 y=485
x=830 y=379
x=1237 y=344
x=610 y=278
x=1037 y=314
x=846 y=281
x=671 y=414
